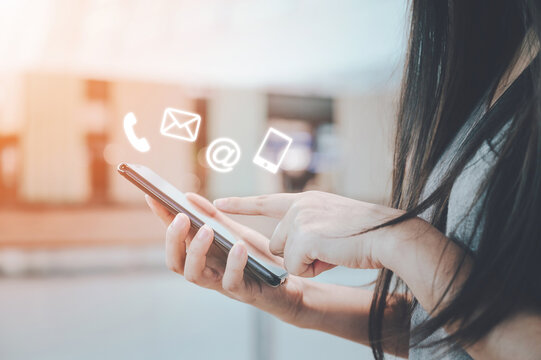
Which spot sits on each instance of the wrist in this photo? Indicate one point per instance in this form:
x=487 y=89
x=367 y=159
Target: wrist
x=289 y=302
x=303 y=316
x=397 y=241
x=306 y=314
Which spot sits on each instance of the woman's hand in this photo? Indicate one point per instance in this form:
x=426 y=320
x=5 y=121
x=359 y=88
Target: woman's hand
x=339 y=310
x=318 y=231
x=190 y=254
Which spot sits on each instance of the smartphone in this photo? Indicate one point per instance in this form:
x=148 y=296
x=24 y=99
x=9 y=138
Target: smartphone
x=272 y=150
x=175 y=201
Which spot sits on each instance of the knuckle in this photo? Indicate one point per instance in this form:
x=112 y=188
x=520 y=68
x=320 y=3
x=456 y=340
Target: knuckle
x=313 y=197
x=230 y=286
x=172 y=266
x=289 y=266
x=296 y=206
x=275 y=247
x=274 y=250
x=302 y=205
x=312 y=194
x=260 y=201
x=313 y=253
x=233 y=201
x=175 y=269
x=191 y=277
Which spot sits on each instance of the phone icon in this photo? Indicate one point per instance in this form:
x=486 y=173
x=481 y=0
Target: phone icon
x=140 y=144
x=272 y=150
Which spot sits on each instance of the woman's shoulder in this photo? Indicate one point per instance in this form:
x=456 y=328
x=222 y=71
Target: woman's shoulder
x=465 y=199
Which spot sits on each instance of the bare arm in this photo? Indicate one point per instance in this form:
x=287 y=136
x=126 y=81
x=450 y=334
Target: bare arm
x=314 y=234
x=343 y=311
x=338 y=310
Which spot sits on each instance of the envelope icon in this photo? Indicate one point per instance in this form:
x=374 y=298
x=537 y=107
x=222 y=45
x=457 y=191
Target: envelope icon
x=180 y=124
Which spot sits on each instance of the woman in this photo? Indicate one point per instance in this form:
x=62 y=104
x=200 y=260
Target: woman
x=460 y=248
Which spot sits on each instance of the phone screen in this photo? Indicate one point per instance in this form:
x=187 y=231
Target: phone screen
x=176 y=201
x=272 y=150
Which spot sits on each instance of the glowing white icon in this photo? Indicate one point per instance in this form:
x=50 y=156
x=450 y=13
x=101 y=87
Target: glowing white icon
x=180 y=124
x=223 y=154
x=272 y=150
x=140 y=144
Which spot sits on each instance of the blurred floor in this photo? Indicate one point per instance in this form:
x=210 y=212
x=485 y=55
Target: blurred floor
x=117 y=301
x=150 y=314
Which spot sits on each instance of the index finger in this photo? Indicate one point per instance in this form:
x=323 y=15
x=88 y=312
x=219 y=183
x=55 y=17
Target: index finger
x=274 y=205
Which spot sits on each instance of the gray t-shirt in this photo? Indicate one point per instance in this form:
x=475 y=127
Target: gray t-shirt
x=461 y=214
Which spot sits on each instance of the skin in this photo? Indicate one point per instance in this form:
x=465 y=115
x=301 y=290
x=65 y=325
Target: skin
x=315 y=233
x=338 y=310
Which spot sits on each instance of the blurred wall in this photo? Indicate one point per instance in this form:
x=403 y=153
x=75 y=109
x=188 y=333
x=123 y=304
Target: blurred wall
x=53 y=149
x=171 y=158
x=365 y=128
x=54 y=167
x=11 y=102
x=241 y=115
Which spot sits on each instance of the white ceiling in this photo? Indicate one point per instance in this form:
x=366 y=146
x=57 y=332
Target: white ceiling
x=323 y=46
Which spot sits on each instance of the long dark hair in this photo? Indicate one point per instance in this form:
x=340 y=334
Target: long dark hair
x=459 y=51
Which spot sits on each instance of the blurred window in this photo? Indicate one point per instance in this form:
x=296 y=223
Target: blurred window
x=9 y=164
x=95 y=116
x=309 y=121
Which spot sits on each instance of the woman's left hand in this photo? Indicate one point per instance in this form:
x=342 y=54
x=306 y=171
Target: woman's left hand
x=318 y=230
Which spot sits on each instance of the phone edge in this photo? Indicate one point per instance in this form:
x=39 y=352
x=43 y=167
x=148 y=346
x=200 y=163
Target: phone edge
x=254 y=267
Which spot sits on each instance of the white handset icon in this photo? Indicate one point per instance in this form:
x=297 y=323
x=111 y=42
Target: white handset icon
x=140 y=144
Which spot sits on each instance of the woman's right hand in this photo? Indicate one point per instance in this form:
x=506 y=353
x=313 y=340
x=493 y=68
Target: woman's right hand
x=190 y=254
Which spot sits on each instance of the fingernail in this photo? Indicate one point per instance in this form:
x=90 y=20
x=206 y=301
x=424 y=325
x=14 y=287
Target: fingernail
x=204 y=231
x=238 y=251
x=179 y=220
x=220 y=203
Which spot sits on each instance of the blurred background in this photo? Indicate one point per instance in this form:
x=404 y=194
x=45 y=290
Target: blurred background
x=82 y=274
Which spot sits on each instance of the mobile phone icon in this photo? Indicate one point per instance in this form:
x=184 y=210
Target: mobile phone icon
x=140 y=144
x=272 y=150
